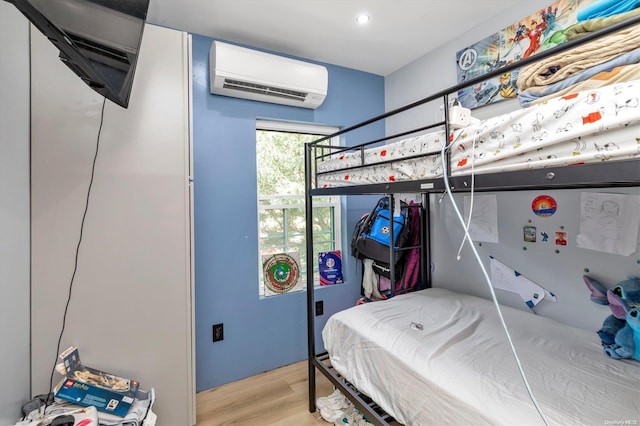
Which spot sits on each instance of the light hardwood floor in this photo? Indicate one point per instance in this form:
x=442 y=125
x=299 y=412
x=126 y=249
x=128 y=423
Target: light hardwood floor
x=277 y=397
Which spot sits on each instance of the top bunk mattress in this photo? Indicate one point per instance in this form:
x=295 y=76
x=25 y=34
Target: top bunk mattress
x=439 y=357
x=579 y=127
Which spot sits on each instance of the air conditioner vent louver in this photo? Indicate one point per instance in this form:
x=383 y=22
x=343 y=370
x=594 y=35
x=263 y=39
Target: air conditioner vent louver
x=263 y=90
x=250 y=74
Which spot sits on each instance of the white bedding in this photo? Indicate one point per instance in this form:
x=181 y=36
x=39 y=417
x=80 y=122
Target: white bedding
x=458 y=370
x=595 y=125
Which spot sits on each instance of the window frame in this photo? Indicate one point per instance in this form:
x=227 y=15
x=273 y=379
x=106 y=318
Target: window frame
x=334 y=202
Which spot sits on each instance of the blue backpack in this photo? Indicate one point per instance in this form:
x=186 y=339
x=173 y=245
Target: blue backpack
x=372 y=234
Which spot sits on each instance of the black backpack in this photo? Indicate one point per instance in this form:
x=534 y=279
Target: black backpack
x=371 y=234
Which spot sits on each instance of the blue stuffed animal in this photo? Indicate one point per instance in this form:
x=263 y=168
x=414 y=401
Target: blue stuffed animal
x=620 y=332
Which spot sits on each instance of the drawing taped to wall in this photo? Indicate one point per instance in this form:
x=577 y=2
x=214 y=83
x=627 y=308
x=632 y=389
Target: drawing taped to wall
x=608 y=222
x=535 y=33
x=484 y=217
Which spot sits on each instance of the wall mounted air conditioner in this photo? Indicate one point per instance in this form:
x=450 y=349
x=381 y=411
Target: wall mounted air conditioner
x=249 y=74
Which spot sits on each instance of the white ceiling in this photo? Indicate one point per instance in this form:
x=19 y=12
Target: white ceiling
x=400 y=31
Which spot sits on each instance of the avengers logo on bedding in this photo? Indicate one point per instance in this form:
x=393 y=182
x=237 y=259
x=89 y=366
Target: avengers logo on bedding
x=544 y=205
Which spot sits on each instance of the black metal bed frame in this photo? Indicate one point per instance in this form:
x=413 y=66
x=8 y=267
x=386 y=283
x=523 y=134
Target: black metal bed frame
x=622 y=173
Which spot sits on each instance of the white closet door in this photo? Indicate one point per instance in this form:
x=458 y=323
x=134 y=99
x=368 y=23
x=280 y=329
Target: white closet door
x=131 y=305
x=14 y=212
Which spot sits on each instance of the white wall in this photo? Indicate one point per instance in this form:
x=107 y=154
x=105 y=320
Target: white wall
x=558 y=272
x=14 y=213
x=437 y=70
x=130 y=311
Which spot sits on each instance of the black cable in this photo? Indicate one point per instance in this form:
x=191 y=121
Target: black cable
x=75 y=266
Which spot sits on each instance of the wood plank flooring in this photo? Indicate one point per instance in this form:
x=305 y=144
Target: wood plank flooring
x=277 y=397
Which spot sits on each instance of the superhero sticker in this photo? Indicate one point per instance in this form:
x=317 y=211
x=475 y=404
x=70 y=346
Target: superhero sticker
x=535 y=33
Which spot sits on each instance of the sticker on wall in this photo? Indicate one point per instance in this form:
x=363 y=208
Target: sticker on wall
x=529 y=234
x=544 y=205
x=561 y=238
x=544 y=236
x=535 y=33
x=330 y=267
x=281 y=273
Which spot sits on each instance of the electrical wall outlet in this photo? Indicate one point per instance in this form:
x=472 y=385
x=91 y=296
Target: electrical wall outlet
x=319 y=308
x=218 y=332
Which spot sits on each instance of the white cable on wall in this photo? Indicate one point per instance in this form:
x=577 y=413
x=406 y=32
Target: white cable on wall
x=473 y=182
x=488 y=281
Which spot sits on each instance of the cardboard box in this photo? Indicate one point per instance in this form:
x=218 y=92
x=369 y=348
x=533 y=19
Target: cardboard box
x=91 y=387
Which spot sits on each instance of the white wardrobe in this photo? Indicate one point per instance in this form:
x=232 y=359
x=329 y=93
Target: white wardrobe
x=131 y=310
x=14 y=212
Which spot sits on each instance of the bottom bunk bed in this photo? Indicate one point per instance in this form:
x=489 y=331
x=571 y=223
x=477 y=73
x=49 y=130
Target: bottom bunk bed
x=439 y=357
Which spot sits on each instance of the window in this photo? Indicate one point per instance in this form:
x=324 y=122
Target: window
x=281 y=212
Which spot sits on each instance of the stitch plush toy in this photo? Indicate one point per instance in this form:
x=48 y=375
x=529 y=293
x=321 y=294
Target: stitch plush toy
x=620 y=332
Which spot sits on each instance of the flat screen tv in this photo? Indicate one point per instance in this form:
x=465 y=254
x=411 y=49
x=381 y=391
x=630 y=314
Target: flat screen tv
x=98 y=40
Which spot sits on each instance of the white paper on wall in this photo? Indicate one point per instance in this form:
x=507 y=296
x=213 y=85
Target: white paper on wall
x=507 y=279
x=609 y=222
x=484 y=217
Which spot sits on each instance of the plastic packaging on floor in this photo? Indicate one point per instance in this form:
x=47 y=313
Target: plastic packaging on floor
x=140 y=413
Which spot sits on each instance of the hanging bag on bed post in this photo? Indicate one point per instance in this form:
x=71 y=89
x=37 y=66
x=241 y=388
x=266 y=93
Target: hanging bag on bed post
x=380 y=227
x=384 y=269
x=371 y=236
x=407 y=269
x=411 y=261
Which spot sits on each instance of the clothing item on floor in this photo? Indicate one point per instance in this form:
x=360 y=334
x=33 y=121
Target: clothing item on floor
x=352 y=417
x=333 y=408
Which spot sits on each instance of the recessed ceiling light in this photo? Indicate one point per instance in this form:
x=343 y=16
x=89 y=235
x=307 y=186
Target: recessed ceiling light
x=363 y=19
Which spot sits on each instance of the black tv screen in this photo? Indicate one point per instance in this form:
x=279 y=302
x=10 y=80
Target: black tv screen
x=98 y=39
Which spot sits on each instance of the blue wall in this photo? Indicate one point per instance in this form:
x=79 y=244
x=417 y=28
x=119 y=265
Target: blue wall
x=260 y=334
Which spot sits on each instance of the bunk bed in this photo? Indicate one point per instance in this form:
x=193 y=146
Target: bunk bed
x=413 y=358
